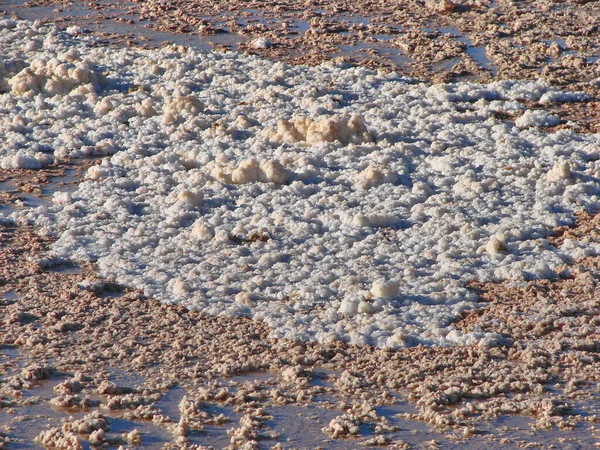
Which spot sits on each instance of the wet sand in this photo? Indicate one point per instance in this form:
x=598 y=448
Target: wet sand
x=84 y=361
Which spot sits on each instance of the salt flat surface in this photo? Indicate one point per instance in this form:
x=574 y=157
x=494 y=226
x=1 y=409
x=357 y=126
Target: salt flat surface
x=330 y=202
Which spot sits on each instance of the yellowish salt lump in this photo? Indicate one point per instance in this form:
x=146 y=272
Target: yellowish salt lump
x=244 y=299
x=146 y=108
x=179 y=287
x=382 y=220
x=193 y=198
x=218 y=172
x=53 y=77
x=561 y=171
x=385 y=288
x=94 y=173
x=272 y=171
x=246 y=172
x=178 y=106
x=468 y=188
x=375 y=175
x=202 y=232
x=324 y=129
x=106 y=105
x=366 y=307
x=349 y=306
x=238 y=229
x=495 y=245
x=242 y=122
x=374 y=220
x=360 y=220
x=289 y=131
x=249 y=171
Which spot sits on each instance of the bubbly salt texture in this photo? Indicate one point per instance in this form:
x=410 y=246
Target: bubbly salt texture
x=330 y=202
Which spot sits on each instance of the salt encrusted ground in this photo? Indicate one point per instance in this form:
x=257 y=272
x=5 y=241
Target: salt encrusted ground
x=62 y=343
x=353 y=211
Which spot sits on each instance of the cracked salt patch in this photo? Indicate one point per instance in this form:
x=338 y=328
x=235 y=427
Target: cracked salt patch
x=329 y=202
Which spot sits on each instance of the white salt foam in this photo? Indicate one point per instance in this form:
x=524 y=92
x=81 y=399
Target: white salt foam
x=330 y=202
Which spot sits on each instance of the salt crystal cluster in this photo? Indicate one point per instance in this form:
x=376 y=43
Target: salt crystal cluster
x=322 y=129
x=331 y=203
x=56 y=76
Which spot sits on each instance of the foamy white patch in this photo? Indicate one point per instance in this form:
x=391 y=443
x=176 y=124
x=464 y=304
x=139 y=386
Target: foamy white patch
x=332 y=203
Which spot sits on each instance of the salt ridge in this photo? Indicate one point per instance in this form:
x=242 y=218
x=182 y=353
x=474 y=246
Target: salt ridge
x=329 y=202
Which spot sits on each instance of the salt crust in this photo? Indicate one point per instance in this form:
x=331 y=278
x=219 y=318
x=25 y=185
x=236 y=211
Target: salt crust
x=377 y=199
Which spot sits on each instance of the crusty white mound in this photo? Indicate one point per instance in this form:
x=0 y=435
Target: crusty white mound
x=330 y=202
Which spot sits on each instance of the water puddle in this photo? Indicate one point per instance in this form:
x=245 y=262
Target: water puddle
x=384 y=37
x=446 y=64
x=23 y=201
x=141 y=32
x=27 y=422
x=354 y=20
x=20 y=200
x=252 y=377
x=68 y=12
x=456 y=33
x=32 y=200
x=324 y=378
x=253 y=12
x=297 y=25
x=9 y=351
x=478 y=53
x=216 y=435
x=169 y=403
x=517 y=430
x=300 y=427
x=25 y=427
x=376 y=53
x=64 y=267
x=153 y=437
x=592 y=59
x=559 y=41
x=7 y=186
x=213 y=435
x=24 y=422
x=8 y=298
